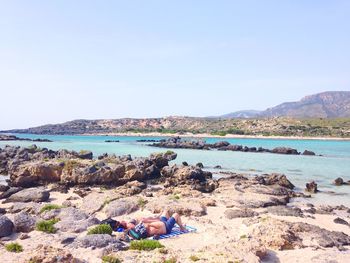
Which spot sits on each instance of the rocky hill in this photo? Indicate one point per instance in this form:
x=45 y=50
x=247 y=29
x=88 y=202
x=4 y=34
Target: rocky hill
x=277 y=126
x=331 y=104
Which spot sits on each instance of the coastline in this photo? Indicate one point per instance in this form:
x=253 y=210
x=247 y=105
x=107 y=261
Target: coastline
x=207 y=135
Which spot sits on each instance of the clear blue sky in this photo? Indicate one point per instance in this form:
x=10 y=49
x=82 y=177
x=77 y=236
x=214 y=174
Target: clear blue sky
x=63 y=60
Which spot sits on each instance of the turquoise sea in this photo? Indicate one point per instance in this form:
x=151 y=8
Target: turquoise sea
x=334 y=162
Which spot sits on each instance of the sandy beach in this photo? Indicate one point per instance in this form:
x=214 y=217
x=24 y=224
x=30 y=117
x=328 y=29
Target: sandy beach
x=207 y=135
x=238 y=218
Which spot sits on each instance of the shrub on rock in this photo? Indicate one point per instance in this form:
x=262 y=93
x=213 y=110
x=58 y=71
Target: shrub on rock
x=47 y=226
x=101 y=229
x=49 y=207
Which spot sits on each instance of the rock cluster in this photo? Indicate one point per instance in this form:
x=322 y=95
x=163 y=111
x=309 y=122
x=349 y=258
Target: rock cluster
x=29 y=167
x=177 y=142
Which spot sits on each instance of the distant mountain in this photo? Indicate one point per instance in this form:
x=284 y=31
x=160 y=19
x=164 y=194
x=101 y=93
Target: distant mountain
x=295 y=119
x=330 y=104
x=241 y=114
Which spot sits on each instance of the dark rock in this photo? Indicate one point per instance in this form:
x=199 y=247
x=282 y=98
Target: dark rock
x=220 y=144
x=339 y=181
x=285 y=150
x=24 y=236
x=24 y=222
x=152 y=172
x=307 y=152
x=323 y=237
x=10 y=192
x=86 y=155
x=2 y=211
x=279 y=179
x=338 y=220
x=200 y=165
x=6 y=226
x=217 y=167
x=30 y=195
x=4 y=188
x=68 y=240
x=184 y=163
x=239 y=213
x=311 y=187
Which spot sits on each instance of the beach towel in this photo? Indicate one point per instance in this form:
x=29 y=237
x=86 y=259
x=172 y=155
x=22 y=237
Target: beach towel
x=175 y=232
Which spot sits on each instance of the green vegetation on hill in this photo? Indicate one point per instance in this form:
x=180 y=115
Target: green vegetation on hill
x=276 y=126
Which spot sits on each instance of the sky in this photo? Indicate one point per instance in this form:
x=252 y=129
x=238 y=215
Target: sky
x=62 y=60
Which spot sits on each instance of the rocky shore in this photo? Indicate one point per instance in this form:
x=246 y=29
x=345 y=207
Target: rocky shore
x=15 y=138
x=239 y=218
x=178 y=143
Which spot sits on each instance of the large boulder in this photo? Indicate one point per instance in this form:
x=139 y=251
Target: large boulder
x=134 y=174
x=121 y=207
x=9 y=192
x=24 y=222
x=80 y=173
x=30 y=195
x=185 y=173
x=71 y=219
x=6 y=226
x=32 y=174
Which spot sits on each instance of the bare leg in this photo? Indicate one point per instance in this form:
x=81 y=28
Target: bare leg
x=166 y=214
x=178 y=220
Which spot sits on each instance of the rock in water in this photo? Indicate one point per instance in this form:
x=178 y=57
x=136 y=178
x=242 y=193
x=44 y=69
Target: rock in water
x=30 y=195
x=311 y=187
x=200 y=165
x=307 y=152
x=6 y=226
x=285 y=150
x=339 y=181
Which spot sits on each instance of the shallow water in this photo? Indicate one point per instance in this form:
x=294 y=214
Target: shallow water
x=334 y=163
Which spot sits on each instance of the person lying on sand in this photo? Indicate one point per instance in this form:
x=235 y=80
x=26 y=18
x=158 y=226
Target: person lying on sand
x=154 y=226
